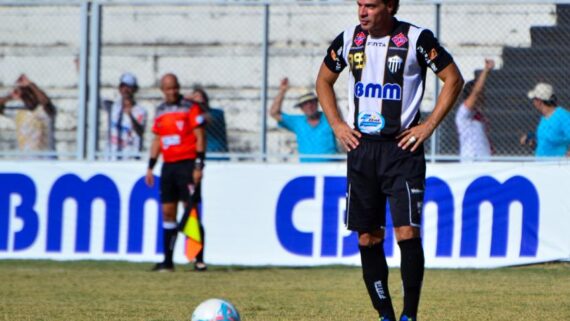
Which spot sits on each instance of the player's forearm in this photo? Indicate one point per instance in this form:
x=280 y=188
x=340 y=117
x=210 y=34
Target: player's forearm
x=327 y=97
x=155 y=147
x=453 y=83
x=200 y=134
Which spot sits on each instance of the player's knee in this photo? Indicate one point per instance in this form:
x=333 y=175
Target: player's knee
x=406 y=233
x=370 y=239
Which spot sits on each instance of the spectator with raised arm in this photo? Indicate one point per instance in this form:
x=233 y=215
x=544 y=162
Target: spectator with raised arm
x=313 y=132
x=472 y=125
x=35 y=122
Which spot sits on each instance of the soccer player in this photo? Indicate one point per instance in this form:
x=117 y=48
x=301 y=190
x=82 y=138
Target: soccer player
x=383 y=134
x=180 y=138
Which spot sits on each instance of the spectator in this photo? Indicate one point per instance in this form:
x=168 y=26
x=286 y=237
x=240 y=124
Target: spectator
x=180 y=138
x=216 y=138
x=314 y=134
x=472 y=125
x=553 y=132
x=34 y=126
x=127 y=121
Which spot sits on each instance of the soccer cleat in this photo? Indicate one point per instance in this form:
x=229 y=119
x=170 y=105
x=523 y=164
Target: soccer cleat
x=163 y=267
x=406 y=318
x=385 y=319
x=200 y=266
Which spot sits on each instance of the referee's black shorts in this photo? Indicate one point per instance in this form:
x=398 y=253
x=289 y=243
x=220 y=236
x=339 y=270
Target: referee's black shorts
x=380 y=171
x=176 y=182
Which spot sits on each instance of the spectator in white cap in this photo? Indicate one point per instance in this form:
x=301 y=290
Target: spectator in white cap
x=313 y=132
x=127 y=121
x=552 y=136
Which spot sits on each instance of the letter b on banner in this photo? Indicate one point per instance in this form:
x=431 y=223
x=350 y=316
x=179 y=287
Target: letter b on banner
x=24 y=187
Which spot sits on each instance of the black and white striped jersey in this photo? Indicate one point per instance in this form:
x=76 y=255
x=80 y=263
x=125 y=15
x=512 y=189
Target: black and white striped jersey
x=387 y=75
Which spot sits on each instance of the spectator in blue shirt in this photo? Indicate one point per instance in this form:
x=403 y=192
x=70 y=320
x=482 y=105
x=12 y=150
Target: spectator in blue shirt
x=216 y=137
x=553 y=131
x=313 y=132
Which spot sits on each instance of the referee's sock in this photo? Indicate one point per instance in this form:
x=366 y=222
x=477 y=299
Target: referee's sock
x=375 y=273
x=169 y=233
x=412 y=269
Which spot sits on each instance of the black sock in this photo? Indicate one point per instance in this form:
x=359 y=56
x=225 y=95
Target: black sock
x=412 y=269
x=375 y=273
x=169 y=240
x=200 y=255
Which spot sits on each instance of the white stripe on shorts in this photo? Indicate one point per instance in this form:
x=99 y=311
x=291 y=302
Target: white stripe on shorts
x=410 y=206
x=347 y=207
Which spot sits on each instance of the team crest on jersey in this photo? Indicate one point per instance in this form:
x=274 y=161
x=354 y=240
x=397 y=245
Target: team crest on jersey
x=399 y=39
x=395 y=63
x=359 y=39
x=180 y=125
x=370 y=122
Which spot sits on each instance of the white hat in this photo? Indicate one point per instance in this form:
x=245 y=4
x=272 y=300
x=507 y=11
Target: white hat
x=542 y=91
x=309 y=96
x=128 y=79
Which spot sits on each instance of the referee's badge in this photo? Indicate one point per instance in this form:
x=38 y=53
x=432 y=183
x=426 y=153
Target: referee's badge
x=370 y=122
x=394 y=63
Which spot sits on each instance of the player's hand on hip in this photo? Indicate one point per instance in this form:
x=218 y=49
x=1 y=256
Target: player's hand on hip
x=149 y=178
x=347 y=136
x=413 y=138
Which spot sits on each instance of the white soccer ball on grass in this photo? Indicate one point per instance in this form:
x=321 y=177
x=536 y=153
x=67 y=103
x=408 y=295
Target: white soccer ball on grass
x=215 y=310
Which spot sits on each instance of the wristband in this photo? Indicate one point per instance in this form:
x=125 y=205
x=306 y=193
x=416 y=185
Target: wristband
x=151 y=163
x=199 y=163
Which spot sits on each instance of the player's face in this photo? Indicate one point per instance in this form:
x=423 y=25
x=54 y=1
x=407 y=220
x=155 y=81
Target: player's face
x=170 y=89
x=374 y=15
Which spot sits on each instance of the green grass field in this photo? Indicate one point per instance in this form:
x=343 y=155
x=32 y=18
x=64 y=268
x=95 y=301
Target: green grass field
x=88 y=290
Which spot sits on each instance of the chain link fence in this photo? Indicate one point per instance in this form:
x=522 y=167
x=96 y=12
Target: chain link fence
x=41 y=43
x=222 y=48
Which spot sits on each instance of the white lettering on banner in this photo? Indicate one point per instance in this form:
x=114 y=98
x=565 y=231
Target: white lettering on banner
x=128 y=229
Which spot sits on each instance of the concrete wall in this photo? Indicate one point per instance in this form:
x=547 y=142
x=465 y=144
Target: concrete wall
x=220 y=48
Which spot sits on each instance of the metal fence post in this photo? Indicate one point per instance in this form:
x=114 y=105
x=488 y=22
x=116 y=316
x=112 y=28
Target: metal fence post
x=437 y=31
x=264 y=71
x=82 y=84
x=94 y=72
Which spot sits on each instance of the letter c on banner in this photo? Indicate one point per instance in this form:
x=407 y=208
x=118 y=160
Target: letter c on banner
x=295 y=191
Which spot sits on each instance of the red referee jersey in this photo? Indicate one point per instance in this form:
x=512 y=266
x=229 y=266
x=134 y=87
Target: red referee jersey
x=175 y=125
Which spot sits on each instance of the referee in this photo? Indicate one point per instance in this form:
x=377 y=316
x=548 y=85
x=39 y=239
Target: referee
x=382 y=132
x=180 y=138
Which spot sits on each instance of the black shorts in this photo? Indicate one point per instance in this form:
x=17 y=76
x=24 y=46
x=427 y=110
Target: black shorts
x=380 y=171
x=176 y=181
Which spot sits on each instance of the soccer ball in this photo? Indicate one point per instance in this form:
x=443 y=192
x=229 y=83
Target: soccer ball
x=215 y=310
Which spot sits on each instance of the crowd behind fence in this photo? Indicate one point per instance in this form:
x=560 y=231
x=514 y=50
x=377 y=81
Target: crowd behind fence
x=238 y=53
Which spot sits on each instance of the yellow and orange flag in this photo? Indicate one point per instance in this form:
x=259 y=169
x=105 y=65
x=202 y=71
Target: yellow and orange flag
x=191 y=228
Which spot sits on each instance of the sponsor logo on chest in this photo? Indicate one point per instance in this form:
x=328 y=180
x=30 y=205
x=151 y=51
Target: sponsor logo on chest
x=387 y=91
